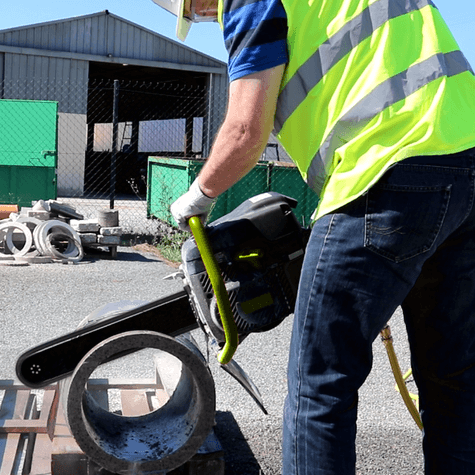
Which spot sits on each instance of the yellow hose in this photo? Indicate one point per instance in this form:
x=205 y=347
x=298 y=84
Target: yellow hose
x=400 y=379
x=219 y=288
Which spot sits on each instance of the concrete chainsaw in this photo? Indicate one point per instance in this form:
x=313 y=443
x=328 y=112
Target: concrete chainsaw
x=240 y=276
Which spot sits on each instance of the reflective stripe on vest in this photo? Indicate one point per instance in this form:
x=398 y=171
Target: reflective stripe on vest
x=343 y=127
x=384 y=95
x=336 y=48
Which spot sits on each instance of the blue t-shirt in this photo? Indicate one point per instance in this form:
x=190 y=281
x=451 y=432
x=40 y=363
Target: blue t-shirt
x=255 y=35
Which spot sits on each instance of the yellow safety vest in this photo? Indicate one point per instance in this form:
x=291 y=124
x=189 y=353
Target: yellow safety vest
x=370 y=83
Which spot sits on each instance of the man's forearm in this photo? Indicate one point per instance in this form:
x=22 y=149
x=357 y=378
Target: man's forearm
x=244 y=133
x=235 y=152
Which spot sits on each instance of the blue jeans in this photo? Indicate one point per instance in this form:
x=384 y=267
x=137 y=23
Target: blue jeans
x=410 y=242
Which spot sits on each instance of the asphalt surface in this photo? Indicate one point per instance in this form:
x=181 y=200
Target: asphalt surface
x=43 y=301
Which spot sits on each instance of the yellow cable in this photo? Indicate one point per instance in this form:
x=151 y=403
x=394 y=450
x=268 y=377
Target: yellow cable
x=400 y=379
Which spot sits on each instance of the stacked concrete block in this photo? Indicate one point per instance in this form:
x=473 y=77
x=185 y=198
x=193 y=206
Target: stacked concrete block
x=93 y=234
x=51 y=209
x=37 y=214
x=88 y=238
x=87 y=230
x=110 y=236
x=85 y=225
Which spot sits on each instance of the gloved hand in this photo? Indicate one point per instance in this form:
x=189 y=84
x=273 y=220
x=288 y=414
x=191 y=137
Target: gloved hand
x=193 y=203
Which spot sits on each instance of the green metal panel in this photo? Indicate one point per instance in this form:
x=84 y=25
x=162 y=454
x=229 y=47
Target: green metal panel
x=254 y=183
x=288 y=181
x=22 y=185
x=169 y=178
x=28 y=151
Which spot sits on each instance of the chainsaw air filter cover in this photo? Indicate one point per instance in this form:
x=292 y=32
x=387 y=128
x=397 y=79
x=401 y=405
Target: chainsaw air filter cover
x=259 y=247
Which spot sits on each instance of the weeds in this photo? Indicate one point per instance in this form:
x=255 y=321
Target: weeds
x=170 y=245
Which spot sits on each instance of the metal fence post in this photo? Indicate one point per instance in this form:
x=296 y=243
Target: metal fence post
x=115 y=135
x=206 y=138
x=270 y=166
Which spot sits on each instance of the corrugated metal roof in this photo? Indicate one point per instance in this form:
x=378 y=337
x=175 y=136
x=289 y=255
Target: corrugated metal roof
x=105 y=37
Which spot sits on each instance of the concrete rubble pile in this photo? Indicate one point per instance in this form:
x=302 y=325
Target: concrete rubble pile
x=51 y=231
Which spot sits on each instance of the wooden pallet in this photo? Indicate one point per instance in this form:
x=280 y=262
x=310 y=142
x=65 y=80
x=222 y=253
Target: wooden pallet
x=26 y=433
x=39 y=442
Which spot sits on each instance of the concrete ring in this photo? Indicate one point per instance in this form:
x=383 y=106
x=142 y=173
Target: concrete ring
x=9 y=227
x=74 y=252
x=31 y=222
x=36 y=239
x=156 y=442
x=40 y=233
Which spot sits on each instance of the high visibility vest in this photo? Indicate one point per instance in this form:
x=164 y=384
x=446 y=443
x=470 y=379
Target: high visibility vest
x=370 y=83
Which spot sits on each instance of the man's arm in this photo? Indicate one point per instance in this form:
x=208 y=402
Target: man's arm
x=238 y=145
x=244 y=132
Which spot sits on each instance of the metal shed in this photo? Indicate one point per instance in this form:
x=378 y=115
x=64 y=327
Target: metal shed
x=75 y=62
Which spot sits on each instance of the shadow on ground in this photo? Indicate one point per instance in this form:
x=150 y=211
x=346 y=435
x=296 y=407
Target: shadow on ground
x=94 y=254
x=238 y=456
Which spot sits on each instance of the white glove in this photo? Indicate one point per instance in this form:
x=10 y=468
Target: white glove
x=193 y=203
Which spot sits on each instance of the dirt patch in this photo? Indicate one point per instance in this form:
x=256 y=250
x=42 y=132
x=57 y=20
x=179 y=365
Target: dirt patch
x=153 y=250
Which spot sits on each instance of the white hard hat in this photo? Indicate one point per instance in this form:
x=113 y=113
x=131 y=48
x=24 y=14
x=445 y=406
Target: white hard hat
x=186 y=18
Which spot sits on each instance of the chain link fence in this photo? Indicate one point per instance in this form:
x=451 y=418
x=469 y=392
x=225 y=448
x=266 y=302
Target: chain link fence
x=106 y=132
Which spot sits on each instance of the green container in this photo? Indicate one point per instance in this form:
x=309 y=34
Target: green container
x=288 y=181
x=169 y=178
x=28 y=151
x=254 y=183
x=22 y=185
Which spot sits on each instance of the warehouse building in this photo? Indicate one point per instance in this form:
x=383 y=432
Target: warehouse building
x=104 y=70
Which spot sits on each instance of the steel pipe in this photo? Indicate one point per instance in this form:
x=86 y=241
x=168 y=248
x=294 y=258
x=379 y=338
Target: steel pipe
x=153 y=443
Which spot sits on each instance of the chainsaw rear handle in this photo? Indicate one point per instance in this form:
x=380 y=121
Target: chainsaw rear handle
x=217 y=282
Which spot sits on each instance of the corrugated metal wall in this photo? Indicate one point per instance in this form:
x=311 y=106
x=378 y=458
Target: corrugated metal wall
x=217 y=83
x=2 y=72
x=103 y=34
x=44 y=78
x=59 y=53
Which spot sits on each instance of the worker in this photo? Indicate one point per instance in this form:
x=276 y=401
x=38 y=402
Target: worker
x=375 y=103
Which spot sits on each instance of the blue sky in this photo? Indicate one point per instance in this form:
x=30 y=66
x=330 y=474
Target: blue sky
x=459 y=14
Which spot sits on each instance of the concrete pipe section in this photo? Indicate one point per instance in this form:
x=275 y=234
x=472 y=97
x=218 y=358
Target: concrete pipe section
x=46 y=232
x=157 y=442
x=8 y=229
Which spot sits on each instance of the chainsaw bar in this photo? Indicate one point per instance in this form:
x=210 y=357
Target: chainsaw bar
x=57 y=359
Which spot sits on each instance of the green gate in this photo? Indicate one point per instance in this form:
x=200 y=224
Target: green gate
x=169 y=178
x=28 y=151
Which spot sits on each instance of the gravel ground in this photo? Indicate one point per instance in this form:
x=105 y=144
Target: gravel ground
x=40 y=302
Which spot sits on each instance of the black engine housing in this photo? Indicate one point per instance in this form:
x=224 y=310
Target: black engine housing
x=259 y=247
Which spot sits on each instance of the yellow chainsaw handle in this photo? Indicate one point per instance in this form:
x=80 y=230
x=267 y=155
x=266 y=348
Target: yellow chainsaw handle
x=217 y=282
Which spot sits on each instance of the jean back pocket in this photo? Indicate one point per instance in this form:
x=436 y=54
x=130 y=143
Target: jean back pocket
x=403 y=221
